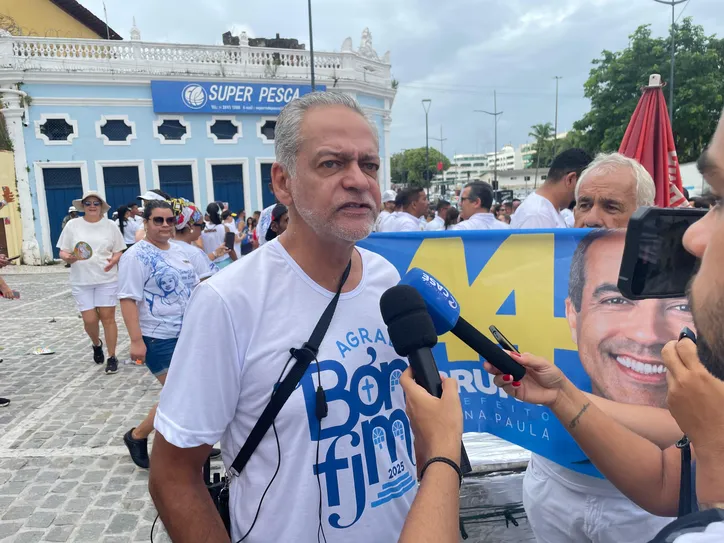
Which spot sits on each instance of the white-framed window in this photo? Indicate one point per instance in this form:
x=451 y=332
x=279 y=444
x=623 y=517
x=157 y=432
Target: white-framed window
x=56 y=129
x=224 y=129
x=116 y=130
x=178 y=177
x=171 y=129
x=265 y=129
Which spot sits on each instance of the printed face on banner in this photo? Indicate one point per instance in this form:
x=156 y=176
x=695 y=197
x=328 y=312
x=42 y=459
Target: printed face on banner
x=620 y=340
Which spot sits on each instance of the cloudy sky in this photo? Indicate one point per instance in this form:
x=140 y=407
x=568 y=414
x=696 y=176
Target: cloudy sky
x=455 y=52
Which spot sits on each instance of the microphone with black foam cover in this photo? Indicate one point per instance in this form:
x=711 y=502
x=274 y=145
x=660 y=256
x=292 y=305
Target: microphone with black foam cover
x=412 y=334
x=445 y=313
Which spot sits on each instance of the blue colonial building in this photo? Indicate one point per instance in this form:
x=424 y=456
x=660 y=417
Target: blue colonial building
x=197 y=121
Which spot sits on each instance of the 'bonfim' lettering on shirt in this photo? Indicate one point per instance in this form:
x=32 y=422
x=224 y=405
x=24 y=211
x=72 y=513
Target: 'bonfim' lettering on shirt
x=367 y=419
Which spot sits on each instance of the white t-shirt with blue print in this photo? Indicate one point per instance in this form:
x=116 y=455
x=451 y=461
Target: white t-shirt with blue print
x=222 y=375
x=161 y=283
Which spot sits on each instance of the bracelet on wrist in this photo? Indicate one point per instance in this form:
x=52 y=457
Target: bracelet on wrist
x=442 y=460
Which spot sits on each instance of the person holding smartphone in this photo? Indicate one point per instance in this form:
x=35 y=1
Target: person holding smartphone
x=213 y=237
x=155 y=284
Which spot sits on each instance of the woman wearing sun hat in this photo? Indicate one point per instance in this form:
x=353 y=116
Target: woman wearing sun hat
x=92 y=245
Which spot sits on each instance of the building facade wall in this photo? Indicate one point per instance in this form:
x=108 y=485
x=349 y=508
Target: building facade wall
x=85 y=105
x=44 y=19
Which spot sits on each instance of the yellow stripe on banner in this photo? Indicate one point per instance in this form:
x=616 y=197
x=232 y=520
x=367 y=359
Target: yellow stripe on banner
x=523 y=263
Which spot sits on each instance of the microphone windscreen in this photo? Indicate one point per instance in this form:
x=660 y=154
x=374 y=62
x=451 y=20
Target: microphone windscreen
x=408 y=322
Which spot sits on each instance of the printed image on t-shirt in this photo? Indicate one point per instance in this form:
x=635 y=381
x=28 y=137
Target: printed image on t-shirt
x=162 y=282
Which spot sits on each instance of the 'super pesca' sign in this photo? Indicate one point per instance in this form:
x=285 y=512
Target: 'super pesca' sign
x=224 y=97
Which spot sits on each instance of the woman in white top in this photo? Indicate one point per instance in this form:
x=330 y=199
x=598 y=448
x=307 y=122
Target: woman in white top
x=213 y=235
x=155 y=284
x=189 y=225
x=127 y=225
x=92 y=245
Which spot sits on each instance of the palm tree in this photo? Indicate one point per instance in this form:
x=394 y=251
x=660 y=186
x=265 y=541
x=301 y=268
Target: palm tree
x=541 y=133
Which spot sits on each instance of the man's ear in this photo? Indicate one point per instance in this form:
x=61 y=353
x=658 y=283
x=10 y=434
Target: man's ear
x=280 y=183
x=571 y=179
x=572 y=318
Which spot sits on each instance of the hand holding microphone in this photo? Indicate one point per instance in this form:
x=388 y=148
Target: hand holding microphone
x=445 y=313
x=413 y=335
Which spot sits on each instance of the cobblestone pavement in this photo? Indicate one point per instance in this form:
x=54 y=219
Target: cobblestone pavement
x=65 y=474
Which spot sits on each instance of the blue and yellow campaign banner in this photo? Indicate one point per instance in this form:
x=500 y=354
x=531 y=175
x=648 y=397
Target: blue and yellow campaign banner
x=519 y=282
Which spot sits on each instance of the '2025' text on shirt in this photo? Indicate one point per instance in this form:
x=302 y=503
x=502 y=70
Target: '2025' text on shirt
x=222 y=376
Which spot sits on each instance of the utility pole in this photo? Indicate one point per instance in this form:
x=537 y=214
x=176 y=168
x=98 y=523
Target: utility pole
x=108 y=28
x=311 y=46
x=673 y=4
x=555 y=136
x=495 y=113
x=442 y=152
x=426 y=173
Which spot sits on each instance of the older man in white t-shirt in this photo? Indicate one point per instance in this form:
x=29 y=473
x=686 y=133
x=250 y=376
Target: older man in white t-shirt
x=541 y=209
x=476 y=200
x=314 y=473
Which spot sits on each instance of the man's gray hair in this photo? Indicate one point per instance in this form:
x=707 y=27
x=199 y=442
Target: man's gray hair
x=611 y=162
x=287 y=133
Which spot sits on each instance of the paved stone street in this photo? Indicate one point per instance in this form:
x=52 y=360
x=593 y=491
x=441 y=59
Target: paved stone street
x=65 y=474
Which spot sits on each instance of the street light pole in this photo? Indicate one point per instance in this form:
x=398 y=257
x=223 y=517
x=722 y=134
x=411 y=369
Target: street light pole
x=673 y=4
x=495 y=115
x=442 y=152
x=311 y=46
x=555 y=137
x=426 y=106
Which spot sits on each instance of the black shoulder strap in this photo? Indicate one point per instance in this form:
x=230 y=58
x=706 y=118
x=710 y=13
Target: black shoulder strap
x=283 y=391
x=685 y=494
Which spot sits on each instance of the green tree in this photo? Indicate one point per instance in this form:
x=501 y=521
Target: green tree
x=542 y=135
x=408 y=166
x=614 y=88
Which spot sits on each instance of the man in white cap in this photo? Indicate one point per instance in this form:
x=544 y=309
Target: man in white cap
x=388 y=207
x=72 y=214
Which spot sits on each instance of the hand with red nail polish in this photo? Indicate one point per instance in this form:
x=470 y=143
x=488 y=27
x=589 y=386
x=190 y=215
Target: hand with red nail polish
x=542 y=383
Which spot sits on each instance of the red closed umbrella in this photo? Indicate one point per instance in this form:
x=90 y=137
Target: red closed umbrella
x=650 y=140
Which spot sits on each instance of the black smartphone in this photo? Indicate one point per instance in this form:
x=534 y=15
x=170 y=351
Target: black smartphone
x=502 y=340
x=655 y=263
x=229 y=240
x=13 y=258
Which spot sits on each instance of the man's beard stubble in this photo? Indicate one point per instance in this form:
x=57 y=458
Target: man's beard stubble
x=323 y=227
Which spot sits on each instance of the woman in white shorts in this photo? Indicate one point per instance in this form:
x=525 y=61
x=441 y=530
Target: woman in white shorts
x=92 y=245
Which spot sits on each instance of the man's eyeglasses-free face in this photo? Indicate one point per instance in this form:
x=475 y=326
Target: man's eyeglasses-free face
x=158 y=221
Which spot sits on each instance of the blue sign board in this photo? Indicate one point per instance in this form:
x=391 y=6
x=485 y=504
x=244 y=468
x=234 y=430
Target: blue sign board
x=224 y=98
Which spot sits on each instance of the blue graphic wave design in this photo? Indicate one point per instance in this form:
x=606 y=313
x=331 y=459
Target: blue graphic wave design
x=396 y=482
x=410 y=484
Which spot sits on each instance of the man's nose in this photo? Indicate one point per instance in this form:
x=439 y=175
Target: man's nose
x=697 y=236
x=594 y=219
x=646 y=323
x=355 y=178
